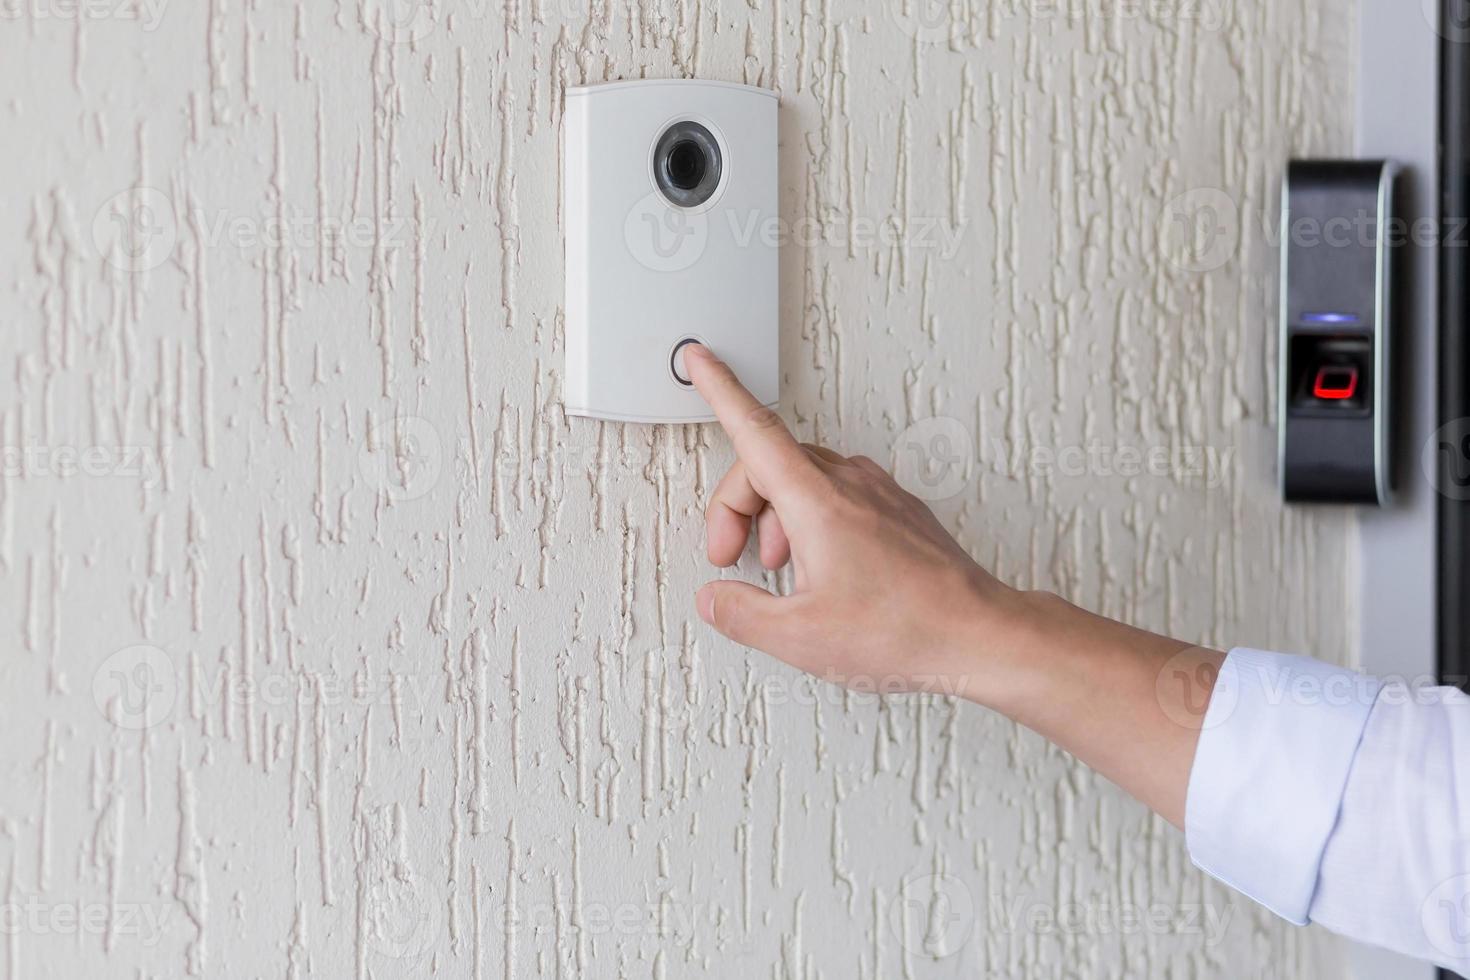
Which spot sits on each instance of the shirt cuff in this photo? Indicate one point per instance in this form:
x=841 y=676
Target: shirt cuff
x=1269 y=772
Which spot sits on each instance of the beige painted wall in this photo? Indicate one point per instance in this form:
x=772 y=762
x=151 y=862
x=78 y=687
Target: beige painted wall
x=407 y=674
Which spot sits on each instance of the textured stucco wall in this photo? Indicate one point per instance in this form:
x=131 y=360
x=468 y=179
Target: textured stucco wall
x=281 y=348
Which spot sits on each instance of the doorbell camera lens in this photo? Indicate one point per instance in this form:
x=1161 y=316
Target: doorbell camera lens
x=687 y=163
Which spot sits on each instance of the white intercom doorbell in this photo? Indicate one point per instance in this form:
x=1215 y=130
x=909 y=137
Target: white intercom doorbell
x=672 y=237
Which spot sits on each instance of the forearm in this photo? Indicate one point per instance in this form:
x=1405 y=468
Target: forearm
x=1126 y=702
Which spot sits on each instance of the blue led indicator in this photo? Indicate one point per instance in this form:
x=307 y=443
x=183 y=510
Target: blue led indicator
x=1329 y=318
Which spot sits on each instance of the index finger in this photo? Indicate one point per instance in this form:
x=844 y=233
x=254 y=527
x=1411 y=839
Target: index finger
x=762 y=441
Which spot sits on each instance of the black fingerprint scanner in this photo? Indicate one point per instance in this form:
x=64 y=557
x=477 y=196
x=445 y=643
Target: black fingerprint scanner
x=1338 y=244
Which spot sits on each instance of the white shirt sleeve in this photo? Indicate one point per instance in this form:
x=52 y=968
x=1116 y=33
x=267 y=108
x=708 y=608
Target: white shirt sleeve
x=1331 y=797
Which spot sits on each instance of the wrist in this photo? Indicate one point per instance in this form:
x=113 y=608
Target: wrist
x=1015 y=647
x=1106 y=692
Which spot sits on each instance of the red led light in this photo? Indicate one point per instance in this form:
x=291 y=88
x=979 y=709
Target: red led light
x=1335 y=382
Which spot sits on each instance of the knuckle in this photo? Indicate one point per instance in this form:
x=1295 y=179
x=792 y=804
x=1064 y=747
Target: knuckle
x=802 y=472
x=763 y=417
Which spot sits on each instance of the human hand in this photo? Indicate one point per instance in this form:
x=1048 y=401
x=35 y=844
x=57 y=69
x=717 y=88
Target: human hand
x=883 y=595
x=885 y=599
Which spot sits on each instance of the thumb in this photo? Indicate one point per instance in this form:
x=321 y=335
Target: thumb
x=745 y=613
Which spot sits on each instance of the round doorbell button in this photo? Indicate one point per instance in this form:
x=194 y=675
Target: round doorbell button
x=676 y=361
